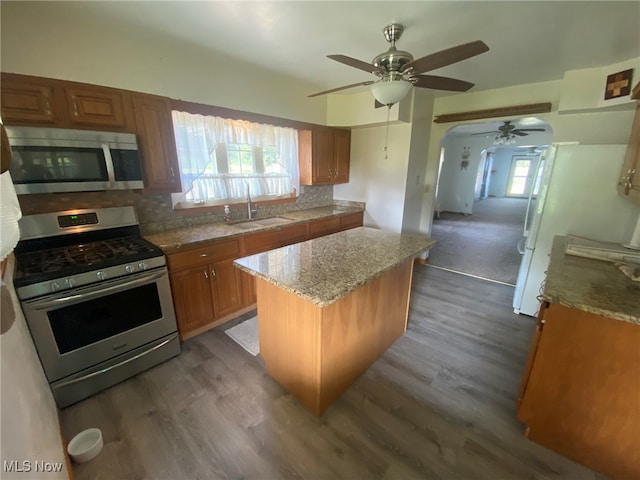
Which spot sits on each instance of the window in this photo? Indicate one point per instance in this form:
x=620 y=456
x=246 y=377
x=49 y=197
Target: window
x=519 y=182
x=222 y=160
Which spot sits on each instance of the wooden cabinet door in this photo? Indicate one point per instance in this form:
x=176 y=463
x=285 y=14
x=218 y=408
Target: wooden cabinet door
x=26 y=102
x=322 y=156
x=249 y=295
x=192 y=298
x=226 y=287
x=326 y=226
x=96 y=107
x=535 y=340
x=629 y=185
x=157 y=143
x=341 y=155
x=351 y=220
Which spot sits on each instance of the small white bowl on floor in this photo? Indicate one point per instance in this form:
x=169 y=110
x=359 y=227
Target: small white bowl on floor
x=85 y=445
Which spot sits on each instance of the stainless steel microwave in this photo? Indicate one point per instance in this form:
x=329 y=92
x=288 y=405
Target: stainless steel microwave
x=49 y=160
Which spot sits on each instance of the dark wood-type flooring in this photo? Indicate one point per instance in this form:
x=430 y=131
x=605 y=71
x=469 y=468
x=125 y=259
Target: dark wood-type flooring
x=438 y=404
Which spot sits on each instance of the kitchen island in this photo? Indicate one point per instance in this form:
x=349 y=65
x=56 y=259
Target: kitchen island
x=329 y=307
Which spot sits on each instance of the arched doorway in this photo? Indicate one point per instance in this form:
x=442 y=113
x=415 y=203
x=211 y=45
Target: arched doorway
x=484 y=188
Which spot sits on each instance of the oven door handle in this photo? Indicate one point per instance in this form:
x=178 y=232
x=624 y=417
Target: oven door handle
x=120 y=364
x=97 y=292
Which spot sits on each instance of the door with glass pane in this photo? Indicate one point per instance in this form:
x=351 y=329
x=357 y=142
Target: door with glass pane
x=521 y=176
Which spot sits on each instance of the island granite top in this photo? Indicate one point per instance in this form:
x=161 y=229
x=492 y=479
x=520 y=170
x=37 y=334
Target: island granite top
x=325 y=269
x=593 y=286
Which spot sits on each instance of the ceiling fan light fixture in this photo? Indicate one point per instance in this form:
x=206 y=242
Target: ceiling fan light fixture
x=504 y=138
x=389 y=92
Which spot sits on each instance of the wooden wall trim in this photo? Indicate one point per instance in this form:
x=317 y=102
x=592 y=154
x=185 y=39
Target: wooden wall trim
x=494 y=112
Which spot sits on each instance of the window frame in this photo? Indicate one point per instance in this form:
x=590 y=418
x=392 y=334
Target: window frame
x=182 y=207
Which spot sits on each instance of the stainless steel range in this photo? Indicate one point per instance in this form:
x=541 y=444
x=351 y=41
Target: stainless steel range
x=96 y=297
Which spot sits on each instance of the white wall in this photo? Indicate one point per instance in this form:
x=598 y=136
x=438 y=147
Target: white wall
x=29 y=417
x=393 y=188
x=501 y=168
x=51 y=39
x=414 y=192
x=375 y=180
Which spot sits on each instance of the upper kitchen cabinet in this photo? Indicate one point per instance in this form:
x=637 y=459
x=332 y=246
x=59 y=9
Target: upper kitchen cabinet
x=26 y=101
x=324 y=156
x=47 y=102
x=629 y=185
x=96 y=106
x=157 y=144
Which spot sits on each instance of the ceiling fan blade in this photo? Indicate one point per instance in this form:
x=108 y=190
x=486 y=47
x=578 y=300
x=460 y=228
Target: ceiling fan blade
x=447 y=57
x=520 y=133
x=532 y=129
x=355 y=63
x=442 y=83
x=369 y=82
x=493 y=132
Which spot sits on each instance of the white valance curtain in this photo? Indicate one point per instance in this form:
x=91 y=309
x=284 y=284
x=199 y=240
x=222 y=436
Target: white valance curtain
x=197 y=138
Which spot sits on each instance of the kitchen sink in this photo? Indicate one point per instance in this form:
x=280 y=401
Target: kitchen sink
x=263 y=222
x=273 y=221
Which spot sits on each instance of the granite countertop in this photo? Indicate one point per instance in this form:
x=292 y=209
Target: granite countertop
x=593 y=286
x=325 y=269
x=173 y=240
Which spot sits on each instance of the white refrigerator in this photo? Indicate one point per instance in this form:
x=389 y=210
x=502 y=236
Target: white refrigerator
x=578 y=195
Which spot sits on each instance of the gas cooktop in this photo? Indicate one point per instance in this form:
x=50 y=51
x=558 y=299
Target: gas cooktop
x=64 y=250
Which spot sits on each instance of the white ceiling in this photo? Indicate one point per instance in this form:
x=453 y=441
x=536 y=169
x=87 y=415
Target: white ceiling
x=529 y=41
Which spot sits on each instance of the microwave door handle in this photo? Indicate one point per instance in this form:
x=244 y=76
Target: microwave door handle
x=109 y=162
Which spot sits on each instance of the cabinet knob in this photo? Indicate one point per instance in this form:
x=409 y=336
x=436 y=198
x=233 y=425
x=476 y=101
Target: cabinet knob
x=172 y=173
x=206 y=275
x=213 y=272
x=75 y=106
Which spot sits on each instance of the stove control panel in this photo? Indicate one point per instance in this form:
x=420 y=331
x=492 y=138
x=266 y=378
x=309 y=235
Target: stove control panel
x=76 y=220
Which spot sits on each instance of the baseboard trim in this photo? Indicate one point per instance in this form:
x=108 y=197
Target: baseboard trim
x=472 y=276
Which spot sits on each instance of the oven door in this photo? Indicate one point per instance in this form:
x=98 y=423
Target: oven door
x=79 y=328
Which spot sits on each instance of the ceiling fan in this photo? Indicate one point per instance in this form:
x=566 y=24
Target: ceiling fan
x=398 y=71
x=506 y=134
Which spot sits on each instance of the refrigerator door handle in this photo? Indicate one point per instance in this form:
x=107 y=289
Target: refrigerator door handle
x=526 y=215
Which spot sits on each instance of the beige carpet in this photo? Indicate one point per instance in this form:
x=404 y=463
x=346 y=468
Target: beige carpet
x=483 y=244
x=245 y=334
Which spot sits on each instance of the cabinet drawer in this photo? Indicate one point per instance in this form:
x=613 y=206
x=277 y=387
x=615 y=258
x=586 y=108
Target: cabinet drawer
x=324 y=227
x=261 y=242
x=210 y=253
x=351 y=221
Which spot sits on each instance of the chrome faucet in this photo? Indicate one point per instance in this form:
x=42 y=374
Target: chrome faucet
x=250 y=210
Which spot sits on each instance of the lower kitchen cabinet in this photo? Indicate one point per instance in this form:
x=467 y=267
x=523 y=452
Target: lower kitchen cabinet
x=203 y=296
x=192 y=299
x=209 y=290
x=226 y=285
x=206 y=287
x=580 y=394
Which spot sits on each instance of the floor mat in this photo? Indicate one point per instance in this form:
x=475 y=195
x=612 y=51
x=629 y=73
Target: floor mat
x=245 y=334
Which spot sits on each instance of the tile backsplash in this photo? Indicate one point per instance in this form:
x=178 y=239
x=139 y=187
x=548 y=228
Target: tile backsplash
x=155 y=213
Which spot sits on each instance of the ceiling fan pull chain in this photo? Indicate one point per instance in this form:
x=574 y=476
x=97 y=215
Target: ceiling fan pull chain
x=386 y=137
